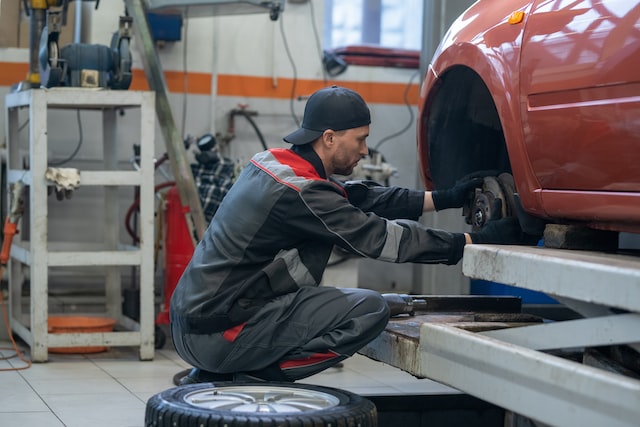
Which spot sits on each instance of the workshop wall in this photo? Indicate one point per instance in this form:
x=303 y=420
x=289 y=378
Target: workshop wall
x=231 y=61
x=225 y=63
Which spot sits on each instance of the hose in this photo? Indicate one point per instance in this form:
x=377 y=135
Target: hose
x=10 y=230
x=134 y=208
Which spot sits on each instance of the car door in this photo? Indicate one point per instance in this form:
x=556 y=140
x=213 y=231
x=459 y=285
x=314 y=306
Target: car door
x=580 y=94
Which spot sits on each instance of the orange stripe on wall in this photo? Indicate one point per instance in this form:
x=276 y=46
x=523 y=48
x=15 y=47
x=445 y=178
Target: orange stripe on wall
x=195 y=83
x=13 y=72
x=244 y=86
x=177 y=81
x=263 y=87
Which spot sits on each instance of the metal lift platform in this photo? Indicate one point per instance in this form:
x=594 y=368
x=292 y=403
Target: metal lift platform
x=516 y=362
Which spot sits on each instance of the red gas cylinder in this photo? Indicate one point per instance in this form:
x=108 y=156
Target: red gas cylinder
x=178 y=248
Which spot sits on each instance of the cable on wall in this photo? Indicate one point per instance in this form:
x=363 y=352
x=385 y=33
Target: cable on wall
x=295 y=72
x=411 y=116
x=318 y=44
x=75 y=151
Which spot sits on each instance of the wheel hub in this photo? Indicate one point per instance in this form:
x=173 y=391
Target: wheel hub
x=261 y=399
x=494 y=188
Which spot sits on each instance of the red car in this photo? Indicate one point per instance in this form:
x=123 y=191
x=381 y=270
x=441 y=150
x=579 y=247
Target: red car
x=546 y=95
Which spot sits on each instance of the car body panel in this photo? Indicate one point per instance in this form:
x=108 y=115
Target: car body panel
x=580 y=85
x=565 y=81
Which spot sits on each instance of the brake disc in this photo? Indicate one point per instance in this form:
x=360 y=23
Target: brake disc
x=494 y=188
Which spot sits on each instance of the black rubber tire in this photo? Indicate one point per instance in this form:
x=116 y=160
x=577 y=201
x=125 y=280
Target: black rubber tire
x=170 y=409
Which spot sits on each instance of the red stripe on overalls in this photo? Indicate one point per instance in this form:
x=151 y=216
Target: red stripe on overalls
x=298 y=165
x=308 y=361
x=232 y=333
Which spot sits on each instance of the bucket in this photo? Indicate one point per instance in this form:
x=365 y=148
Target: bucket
x=79 y=324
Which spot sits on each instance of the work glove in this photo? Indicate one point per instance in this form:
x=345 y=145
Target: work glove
x=503 y=231
x=65 y=179
x=357 y=190
x=455 y=196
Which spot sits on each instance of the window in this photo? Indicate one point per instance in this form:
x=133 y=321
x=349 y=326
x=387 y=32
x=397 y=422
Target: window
x=387 y=23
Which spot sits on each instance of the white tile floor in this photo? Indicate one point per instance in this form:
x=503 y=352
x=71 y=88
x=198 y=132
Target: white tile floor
x=111 y=389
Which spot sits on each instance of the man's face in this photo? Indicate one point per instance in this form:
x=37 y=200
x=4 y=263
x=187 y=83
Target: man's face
x=349 y=147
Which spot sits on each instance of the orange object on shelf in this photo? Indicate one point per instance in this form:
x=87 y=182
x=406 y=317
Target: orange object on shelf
x=79 y=324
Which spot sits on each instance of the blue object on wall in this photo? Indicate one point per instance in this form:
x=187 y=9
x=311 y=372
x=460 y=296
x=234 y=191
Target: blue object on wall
x=165 y=27
x=483 y=287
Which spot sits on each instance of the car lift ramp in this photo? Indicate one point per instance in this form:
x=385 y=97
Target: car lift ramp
x=510 y=366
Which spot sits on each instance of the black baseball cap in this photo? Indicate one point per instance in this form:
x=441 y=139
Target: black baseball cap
x=334 y=107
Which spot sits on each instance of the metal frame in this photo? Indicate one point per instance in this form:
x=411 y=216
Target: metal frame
x=510 y=366
x=592 y=277
x=38 y=254
x=504 y=366
x=543 y=387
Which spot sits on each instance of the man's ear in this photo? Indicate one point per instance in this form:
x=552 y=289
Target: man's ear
x=327 y=137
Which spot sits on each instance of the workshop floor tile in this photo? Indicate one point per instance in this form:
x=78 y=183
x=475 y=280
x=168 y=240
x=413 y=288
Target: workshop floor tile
x=18 y=396
x=111 y=389
x=147 y=385
x=97 y=409
x=63 y=370
x=46 y=418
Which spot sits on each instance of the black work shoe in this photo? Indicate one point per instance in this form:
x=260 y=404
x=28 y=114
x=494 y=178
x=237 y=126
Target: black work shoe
x=201 y=376
x=268 y=373
x=244 y=377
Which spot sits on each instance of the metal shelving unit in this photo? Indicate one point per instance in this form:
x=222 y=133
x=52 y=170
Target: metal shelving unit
x=33 y=258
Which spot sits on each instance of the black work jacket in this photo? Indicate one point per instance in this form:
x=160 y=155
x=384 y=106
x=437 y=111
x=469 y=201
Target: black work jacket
x=275 y=229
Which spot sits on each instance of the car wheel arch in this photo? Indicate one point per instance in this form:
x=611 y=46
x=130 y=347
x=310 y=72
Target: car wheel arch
x=463 y=128
x=461 y=143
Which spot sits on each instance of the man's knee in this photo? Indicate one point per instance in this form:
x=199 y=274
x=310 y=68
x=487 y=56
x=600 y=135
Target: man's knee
x=371 y=314
x=370 y=302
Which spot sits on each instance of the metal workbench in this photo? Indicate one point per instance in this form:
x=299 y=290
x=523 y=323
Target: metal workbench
x=512 y=366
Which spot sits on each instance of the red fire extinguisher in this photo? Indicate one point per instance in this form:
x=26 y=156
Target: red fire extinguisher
x=178 y=248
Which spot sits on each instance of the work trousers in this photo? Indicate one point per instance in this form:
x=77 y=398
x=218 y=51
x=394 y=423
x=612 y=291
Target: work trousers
x=295 y=336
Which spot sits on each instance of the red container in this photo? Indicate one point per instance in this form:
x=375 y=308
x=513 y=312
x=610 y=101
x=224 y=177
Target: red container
x=178 y=248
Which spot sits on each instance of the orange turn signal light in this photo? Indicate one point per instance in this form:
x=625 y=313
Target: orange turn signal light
x=516 y=17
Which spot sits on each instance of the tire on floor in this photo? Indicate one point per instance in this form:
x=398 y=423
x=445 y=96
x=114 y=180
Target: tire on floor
x=258 y=404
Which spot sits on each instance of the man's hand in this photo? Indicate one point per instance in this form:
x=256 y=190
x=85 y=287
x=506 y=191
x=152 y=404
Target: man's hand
x=504 y=231
x=455 y=196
